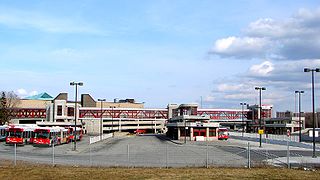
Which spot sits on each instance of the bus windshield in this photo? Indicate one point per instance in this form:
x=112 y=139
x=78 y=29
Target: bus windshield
x=40 y=134
x=223 y=132
x=15 y=134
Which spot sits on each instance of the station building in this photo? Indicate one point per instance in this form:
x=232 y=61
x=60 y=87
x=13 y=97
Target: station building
x=185 y=121
x=94 y=116
x=32 y=109
x=185 y=124
x=281 y=125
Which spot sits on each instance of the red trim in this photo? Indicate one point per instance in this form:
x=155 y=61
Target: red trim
x=29 y=113
x=134 y=114
x=45 y=141
x=14 y=140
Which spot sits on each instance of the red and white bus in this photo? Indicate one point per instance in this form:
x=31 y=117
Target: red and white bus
x=50 y=135
x=223 y=133
x=19 y=135
x=79 y=133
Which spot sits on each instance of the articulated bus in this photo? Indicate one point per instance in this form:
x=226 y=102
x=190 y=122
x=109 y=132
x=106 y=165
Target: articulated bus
x=79 y=133
x=223 y=133
x=19 y=135
x=50 y=135
x=3 y=132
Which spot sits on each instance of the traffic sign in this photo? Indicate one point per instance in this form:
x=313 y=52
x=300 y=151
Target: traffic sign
x=260 y=131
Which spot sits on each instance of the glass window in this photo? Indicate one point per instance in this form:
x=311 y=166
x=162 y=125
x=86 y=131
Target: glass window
x=212 y=132
x=70 y=111
x=41 y=134
x=15 y=134
x=59 y=111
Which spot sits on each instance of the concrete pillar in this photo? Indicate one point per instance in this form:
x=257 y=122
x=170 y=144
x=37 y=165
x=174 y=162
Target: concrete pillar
x=178 y=133
x=191 y=134
x=217 y=132
x=155 y=126
x=93 y=127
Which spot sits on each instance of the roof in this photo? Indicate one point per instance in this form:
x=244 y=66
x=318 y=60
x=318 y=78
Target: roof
x=41 y=96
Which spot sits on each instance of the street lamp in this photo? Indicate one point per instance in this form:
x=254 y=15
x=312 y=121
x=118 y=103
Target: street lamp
x=313 y=112
x=101 y=103
x=115 y=100
x=260 y=108
x=299 y=92
x=242 y=104
x=76 y=84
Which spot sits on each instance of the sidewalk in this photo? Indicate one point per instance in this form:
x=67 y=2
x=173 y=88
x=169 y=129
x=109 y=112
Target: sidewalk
x=276 y=144
x=305 y=161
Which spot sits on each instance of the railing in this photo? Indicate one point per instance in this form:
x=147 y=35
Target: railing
x=97 y=138
x=266 y=136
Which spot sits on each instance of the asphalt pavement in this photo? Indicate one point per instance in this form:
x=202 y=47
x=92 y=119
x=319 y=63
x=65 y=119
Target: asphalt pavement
x=159 y=151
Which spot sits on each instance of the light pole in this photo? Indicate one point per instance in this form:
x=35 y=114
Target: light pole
x=300 y=127
x=76 y=84
x=260 y=108
x=313 y=112
x=242 y=104
x=101 y=103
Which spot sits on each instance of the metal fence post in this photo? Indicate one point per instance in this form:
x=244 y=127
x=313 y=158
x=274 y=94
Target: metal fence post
x=288 y=153
x=52 y=153
x=128 y=155
x=207 y=158
x=266 y=150
x=248 y=154
x=166 y=155
x=15 y=154
x=90 y=155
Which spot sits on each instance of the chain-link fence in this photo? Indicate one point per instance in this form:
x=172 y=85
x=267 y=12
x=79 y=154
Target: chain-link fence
x=151 y=152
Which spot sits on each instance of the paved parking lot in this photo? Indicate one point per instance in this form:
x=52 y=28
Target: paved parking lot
x=148 y=151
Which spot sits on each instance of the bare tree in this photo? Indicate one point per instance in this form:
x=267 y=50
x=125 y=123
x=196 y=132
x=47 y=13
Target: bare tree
x=8 y=103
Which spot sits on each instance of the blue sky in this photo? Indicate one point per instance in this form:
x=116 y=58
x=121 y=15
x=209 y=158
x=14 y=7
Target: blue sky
x=162 y=52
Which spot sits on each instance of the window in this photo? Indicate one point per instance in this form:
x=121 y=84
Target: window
x=70 y=111
x=182 y=132
x=59 y=111
x=212 y=132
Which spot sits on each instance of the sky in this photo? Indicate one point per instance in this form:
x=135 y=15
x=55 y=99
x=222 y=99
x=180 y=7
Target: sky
x=163 y=51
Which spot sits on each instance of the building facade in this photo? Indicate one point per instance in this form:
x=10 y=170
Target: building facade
x=186 y=124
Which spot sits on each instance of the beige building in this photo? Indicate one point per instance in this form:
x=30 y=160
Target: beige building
x=185 y=124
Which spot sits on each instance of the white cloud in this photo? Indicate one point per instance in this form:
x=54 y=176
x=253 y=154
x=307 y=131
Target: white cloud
x=21 y=92
x=267 y=27
x=32 y=93
x=294 y=38
x=262 y=69
x=227 y=87
x=239 y=96
x=240 y=47
x=281 y=80
x=209 y=98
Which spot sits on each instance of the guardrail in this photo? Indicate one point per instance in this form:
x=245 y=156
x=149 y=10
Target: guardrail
x=268 y=136
x=98 y=138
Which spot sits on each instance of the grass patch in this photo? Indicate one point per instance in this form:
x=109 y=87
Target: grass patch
x=31 y=171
